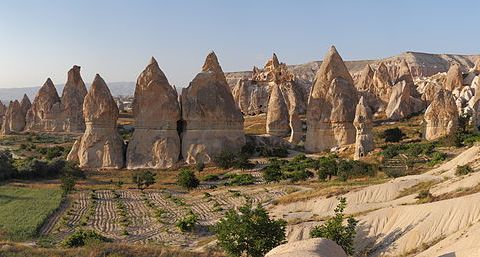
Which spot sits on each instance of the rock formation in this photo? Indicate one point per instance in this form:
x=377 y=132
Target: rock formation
x=402 y=104
x=441 y=116
x=45 y=113
x=454 y=78
x=155 y=142
x=3 y=110
x=313 y=247
x=296 y=129
x=382 y=85
x=25 y=104
x=277 y=114
x=72 y=101
x=101 y=146
x=363 y=124
x=212 y=123
x=331 y=107
x=252 y=94
x=14 y=119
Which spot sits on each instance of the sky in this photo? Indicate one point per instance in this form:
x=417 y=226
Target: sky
x=116 y=38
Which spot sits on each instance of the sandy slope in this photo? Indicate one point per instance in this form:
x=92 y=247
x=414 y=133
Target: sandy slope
x=394 y=226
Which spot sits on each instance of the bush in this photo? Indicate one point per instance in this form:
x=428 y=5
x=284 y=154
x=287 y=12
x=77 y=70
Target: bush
x=187 y=223
x=54 y=152
x=187 y=179
x=327 y=167
x=280 y=152
x=83 y=237
x=7 y=170
x=211 y=177
x=143 y=179
x=241 y=180
x=344 y=168
x=68 y=184
x=334 y=229
x=437 y=157
x=391 y=151
x=463 y=170
x=200 y=166
x=272 y=172
x=394 y=172
x=249 y=232
x=227 y=160
x=393 y=135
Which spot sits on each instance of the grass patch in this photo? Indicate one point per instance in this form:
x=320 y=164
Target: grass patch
x=417 y=188
x=24 y=210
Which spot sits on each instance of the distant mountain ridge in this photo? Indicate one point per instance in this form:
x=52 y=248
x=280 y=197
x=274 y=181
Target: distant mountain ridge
x=117 y=89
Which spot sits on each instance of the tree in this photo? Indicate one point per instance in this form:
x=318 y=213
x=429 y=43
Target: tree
x=344 y=169
x=187 y=179
x=7 y=170
x=187 y=223
x=68 y=183
x=334 y=229
x=143 y=179
x=393 y=135
x=327 y=167
x=250 y=232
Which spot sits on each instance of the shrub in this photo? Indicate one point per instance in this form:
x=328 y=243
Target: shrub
x=211 y=177
x=280 y=152
x=344 y=168
x=249 y=232
x=393 y=135
x=187 y=179
x=424 y=196
x=82 y=237
x=272 y=172
x=327 y=167
x=391 y=151
x=334 y=229
x=437 y=157
x=54 y=152
x=241 y=180
x=225 y=160
x=394 y=172
x=187 y=223
x=143 y=179
x=67 y=184
x=7 y=170
x=463 y=170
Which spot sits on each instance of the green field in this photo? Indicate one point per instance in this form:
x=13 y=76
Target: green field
x=23 y=210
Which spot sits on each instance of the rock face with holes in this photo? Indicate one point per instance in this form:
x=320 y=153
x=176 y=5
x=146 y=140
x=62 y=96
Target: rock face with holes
x=252 y=94
x=46 y=111
x=14 y=119
x=441 y=116
x=155 y=142
x=331 y=108
x=363 y=124
x=72 y=101
x=212 y=122
x=454 y=78
x=277 y=114
x=101 y=146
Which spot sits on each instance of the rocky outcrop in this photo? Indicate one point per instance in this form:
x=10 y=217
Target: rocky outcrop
x=296 y=129
x=211 y=121
x=313 y=247
x=363 y=125
x=46 y=111
x=441 y=116
x=252 y=94
x=72 y=101
x=277 y=114
x=454 y=78
x=155 y=142
x=101 y=146
x=14 y=119
x=3 y=110
x=331 y=107
x=25 y=104
x=402 y=104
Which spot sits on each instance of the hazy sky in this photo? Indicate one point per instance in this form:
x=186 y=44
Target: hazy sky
x=40 y=39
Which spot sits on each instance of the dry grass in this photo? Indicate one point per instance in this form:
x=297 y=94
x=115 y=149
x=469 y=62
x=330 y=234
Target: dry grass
x=417 y=188
x=101 y=250
x=255 y=125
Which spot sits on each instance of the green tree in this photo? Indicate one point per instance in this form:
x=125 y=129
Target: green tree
x=187 y=223
x=393 y=135
x=143 y=179
x=68 y=183
x=334 y=229
x=187 y=179
x=326 y=167
x=250 y=232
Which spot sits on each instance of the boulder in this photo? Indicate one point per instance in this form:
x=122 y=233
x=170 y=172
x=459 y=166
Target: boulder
x=101 y=146
x=277 y=114
x=454 y=78
x=72 y=101
x=331 y=107
x=45 y=112
x=155 y=142
x=14 y=119
x=313 y=247
x=363 y=124
x=402 y=104
x=441 y=116
x=211 y=121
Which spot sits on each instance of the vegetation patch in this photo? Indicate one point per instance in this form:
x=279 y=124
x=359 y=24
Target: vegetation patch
x=24 y=210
